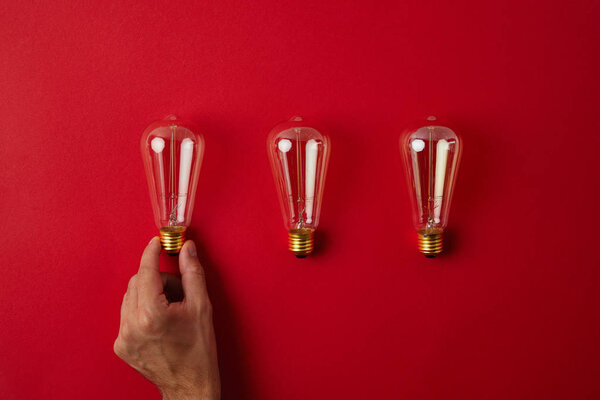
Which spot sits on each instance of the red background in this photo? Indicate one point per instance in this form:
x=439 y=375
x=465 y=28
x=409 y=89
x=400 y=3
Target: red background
x=511 y=311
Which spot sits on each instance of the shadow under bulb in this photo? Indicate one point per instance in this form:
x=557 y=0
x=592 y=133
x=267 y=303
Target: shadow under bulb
x=431 y=156
x=172 y=152
x=299 y=155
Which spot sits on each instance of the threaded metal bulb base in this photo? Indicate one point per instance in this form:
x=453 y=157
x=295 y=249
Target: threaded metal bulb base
x=301 y=241
x=172 y=239
x=430 y=241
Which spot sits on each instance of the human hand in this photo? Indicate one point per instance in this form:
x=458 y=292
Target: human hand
x=166 y=330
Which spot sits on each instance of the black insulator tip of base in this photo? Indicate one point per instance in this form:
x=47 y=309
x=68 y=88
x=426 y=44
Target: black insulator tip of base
x=300 y=256
x=429 y=255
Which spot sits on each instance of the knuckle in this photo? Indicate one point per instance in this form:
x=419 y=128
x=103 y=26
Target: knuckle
x=125 y=334
x=205 y=309
x=196 y=268
x=118 y=348
x=132 y=282
x=148 y=320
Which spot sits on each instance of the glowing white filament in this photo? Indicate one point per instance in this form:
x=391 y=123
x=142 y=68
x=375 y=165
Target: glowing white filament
x=312 y=149
x=185 y=166
x=284 y=146
x=158 y=145
x=441 y=159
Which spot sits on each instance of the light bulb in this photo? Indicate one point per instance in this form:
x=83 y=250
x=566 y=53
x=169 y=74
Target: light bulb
x=431 y=156
x=299 y=155
x=172 y=152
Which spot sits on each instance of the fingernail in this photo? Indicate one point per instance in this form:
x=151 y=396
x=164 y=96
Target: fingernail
x=191 y=248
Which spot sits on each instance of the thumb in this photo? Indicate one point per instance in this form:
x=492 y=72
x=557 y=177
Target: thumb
x=192 y=275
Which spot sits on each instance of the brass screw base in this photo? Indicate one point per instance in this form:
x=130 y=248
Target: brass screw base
x=301 y=241
x=172 y=239
x=430 y=241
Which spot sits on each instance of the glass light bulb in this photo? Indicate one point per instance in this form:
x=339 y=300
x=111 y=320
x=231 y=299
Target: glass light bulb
x=172 y=152
x=431 y=156
x=299 y=155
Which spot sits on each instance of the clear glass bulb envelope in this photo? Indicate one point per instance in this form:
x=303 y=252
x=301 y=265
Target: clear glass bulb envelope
x=431 y=155
x=172 y=152
x=299 y=155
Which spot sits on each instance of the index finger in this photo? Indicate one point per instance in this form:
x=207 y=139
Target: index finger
x=149 y=282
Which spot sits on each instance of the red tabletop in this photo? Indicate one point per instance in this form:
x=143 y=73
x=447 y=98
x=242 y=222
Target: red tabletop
x=511 y=311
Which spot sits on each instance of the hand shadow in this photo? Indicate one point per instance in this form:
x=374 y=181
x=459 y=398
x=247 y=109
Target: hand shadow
x=234 y=382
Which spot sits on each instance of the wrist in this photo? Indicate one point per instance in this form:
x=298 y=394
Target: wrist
x=188 y=393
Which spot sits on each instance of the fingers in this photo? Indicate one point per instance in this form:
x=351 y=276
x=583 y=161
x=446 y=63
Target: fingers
x=130 y=300
x=192 y=276
x=149 y=282
x=128 y=318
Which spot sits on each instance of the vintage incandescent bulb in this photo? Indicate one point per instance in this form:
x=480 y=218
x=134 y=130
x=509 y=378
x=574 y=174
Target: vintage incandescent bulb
x=299 y=156
x=172 y=152
x=431 y=156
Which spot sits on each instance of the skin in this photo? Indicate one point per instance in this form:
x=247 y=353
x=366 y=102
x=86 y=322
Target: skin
x=166 y=331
